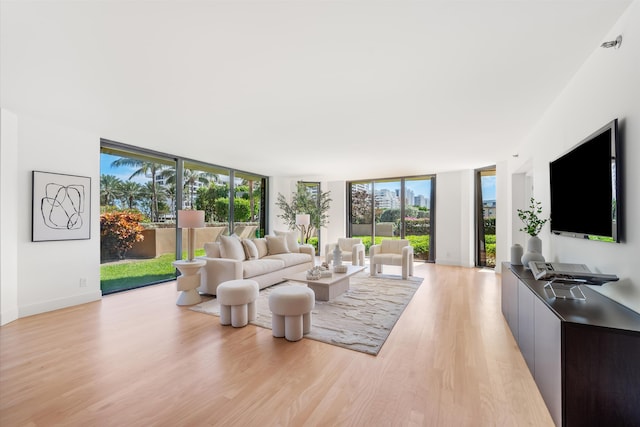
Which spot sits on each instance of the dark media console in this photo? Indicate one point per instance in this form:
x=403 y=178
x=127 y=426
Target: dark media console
x=584 y=355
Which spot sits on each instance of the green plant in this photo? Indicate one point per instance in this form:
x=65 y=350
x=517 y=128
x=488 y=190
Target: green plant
x=530 y=217
x=305 y=202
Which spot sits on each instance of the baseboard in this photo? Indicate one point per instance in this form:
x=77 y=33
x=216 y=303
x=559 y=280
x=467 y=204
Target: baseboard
x=56 y=304
x=8 y=316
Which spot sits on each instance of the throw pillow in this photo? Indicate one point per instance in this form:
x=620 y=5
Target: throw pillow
x=231 y=247
x=250 y=249
x=212 y=249
x=277 y=245
x=261 y=244
x=292 y=239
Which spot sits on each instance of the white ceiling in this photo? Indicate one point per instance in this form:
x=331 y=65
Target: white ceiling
x=340 y=89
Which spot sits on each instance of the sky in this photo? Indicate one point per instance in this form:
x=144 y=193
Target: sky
x=489 y=187
x=123 y=172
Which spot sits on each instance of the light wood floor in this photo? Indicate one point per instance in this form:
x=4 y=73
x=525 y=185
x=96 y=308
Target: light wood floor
x=135 y=358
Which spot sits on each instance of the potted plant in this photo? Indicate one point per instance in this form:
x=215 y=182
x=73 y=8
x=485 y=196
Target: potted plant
x=533 y=223
x=304 y=202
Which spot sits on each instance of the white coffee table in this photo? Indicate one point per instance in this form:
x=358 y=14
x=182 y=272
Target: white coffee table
x=327 y=288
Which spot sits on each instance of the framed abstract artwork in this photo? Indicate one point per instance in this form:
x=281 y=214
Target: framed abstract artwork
x=61 y=207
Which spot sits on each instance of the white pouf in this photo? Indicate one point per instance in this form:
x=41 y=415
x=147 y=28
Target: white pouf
x=291 y=311
x=237 y=299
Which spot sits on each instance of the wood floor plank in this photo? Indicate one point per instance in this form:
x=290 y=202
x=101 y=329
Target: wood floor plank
x=135 y=358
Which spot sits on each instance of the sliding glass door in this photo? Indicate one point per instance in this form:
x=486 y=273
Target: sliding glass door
x=393 y=209
x=140 y=194
x=137 y=219
x=486 y=217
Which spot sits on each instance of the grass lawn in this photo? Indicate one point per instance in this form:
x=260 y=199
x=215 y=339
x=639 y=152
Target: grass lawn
x=119 y=276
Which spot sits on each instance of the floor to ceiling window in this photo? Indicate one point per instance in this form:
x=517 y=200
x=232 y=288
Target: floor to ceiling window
x=393 y=209
x=140 y=194
x=486 y=217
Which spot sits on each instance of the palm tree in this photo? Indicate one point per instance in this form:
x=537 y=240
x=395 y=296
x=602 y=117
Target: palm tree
x=109 y=189
x=169 y=191
x=147 y=169
x=189 y=180
x=130 y=192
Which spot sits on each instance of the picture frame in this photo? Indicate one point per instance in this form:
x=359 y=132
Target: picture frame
x=61 y=207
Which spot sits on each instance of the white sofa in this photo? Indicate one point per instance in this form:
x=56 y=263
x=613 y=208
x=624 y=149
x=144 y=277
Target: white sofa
x=265 y=260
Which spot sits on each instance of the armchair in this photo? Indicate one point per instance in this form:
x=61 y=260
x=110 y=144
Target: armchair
x=391 y=252
x=352 y=250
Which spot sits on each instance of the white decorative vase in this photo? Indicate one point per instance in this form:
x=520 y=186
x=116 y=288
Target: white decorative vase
x=534 y=251
x=337 y=256
x=516 y=254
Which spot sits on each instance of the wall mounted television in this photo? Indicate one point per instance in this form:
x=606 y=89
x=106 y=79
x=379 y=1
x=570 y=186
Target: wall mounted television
x=586 y=188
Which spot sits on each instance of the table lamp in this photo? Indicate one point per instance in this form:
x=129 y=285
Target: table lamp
x=190 y=220
x=302 y=221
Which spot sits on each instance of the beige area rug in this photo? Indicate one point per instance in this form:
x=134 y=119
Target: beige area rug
x=361 y=319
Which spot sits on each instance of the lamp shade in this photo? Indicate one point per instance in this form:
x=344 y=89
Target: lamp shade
x=303 y=219
x=190 y=219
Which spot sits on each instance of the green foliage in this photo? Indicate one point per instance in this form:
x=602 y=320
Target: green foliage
x=119 y=230
x=489 y=225
x=206 y=201
x=390 y=215
x=241 y=210
x=490 y=249
x=304 y=202
x=417 y=226
x=532 y=223
x=489 y=238
x=420 y=245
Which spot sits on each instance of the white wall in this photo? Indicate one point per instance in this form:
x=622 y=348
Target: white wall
x=503 y=234
x=8 y=217
x=49 y=273
x=454 y=218
x=606 y=87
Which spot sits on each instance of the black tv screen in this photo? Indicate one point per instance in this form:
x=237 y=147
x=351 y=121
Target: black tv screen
x=585 y=188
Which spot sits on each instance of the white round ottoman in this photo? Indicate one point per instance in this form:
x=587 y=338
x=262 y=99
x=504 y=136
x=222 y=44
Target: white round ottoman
x=237 y=299
x=291 y=311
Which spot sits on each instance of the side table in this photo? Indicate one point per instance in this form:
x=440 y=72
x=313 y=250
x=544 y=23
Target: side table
x=188 y=281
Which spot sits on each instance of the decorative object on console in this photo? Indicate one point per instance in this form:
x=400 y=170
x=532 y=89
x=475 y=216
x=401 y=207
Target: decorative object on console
x=516 y=254
x=190 y=220
x=534 y=251
x=532 y=226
